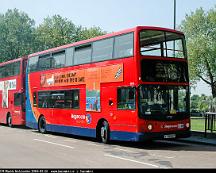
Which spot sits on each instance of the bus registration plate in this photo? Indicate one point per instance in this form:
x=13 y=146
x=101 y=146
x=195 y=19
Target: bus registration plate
x=169 y=136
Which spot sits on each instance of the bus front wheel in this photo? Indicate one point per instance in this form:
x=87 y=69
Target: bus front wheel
x=105 y=132
x=42 y=125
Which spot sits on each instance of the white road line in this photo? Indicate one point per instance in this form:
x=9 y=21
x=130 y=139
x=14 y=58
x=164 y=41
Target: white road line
x=71 y=140
x=94 y=144
x=54 y=143
x=124 y=150
x=167 y=157
x=37 y=134
x=135 y=161
x=49 y=136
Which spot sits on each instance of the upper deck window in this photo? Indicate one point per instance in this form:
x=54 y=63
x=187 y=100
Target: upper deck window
x=82 y=54
x=123 y=46
x=114 y=47
x=32 y=64
x=58 y=59
x=102 y=50
x=161 y=43
x=45 y=62
x=11 y=69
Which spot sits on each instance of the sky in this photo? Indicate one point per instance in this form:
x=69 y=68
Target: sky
x=112 y=15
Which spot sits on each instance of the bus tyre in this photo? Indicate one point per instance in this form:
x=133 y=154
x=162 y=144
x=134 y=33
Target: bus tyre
x=42 y=125
x=104 y=132
x=9 y=121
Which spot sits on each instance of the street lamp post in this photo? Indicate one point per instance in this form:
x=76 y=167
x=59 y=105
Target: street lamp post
x=174 y=14
x=174 y=26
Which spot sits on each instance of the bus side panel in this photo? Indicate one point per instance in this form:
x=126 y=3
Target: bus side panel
x=30 y=118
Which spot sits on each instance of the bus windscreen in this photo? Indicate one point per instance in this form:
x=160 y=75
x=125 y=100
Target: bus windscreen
x=161 y=100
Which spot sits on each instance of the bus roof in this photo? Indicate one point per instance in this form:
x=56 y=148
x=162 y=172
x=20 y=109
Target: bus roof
x=137 y=28
x=13 y=60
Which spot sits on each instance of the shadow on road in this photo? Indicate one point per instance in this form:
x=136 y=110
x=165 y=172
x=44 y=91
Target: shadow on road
x=173 y=145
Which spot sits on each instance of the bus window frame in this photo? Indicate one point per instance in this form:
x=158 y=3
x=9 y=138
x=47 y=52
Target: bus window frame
x=135 y=98
x=164 y=31
x=77 y=46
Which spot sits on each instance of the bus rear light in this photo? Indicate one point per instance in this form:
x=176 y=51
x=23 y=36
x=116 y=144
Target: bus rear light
x=150 y=127
x=187 y=125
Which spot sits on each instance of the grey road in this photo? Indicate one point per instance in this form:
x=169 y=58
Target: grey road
x=26 y=148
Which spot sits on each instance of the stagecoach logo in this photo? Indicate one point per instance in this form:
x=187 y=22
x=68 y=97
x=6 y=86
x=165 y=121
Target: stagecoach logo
x=169 y=126
x=118 y=73
x=87 y=118
x=179 y=126
x=80 y=117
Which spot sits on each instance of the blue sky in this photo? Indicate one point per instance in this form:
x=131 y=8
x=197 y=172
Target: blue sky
x=112 y=15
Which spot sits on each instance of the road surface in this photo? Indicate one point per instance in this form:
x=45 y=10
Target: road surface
x=26 y=148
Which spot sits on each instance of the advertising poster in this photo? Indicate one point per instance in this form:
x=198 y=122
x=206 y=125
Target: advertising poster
x=5 y=86
x=91 y=77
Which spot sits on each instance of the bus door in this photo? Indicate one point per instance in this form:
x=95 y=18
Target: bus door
x=121 y=101
x=126 y=106
x=18 y=104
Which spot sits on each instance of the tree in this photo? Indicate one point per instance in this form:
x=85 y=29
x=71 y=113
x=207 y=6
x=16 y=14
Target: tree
x=86 y=33
x=194 y=102
x=16 y=35
x=200 y=31
x=56 y=31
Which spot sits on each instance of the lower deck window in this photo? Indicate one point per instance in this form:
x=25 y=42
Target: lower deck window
x=59 y=99
x=17 y=99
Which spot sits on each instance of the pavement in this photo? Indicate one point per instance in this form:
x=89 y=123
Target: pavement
x=199 y=138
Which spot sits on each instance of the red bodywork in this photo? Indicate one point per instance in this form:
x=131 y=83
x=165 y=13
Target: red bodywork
x=119 y=120
x=17 y=113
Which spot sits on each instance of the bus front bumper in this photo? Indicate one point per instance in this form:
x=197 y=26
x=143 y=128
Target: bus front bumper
x=129 y=136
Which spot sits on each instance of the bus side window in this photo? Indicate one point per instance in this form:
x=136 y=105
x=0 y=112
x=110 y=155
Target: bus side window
x=35 y=99
x=17 y=99
x=126 y=98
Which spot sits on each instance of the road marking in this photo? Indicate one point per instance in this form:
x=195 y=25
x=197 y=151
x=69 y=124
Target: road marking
x=37 y=134
x=49 y=136
x=167 y=157
x=135 y=161
x=71 y=140
x=94 y=144
x=54 y=143
x=124 y=150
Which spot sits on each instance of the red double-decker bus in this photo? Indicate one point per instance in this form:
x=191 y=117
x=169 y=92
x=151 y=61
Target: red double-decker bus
x=131 y=85
x=12 y=92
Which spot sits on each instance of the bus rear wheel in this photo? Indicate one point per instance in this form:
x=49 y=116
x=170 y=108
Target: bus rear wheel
x=9 y=121
x=105 y=132
x=42 y=125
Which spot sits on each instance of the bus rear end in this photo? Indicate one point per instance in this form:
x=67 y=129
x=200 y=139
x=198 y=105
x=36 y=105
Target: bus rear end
x=12 y=92
x=163 y=91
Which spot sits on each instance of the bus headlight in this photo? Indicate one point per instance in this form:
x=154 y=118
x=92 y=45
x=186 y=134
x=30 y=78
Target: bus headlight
x=150 y=127
x=187 y=125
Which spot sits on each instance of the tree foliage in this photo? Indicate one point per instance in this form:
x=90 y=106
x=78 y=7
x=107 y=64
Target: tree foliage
x=200 y=30
x=16 y=34
x=19 y=36
x=56 y=31
x=86 y=33
x=203 y=103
